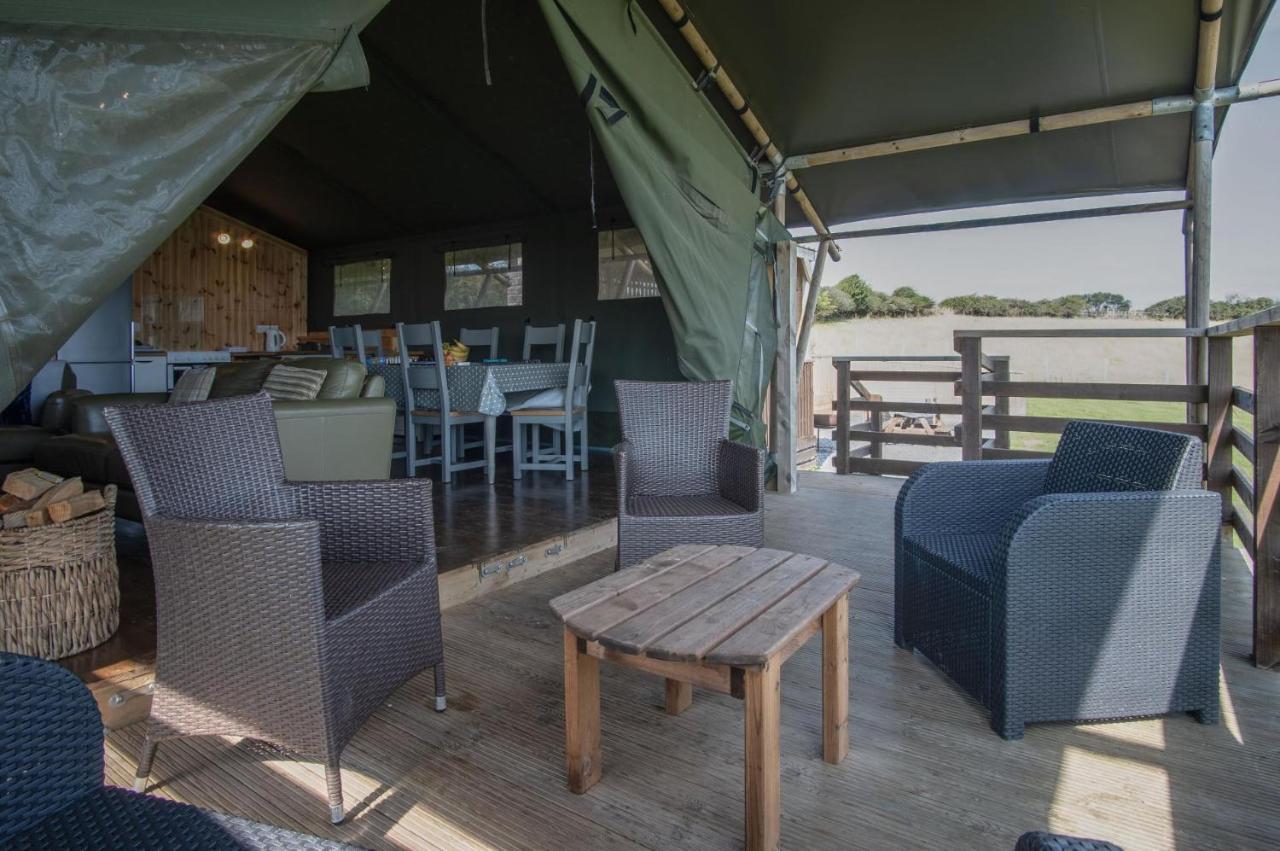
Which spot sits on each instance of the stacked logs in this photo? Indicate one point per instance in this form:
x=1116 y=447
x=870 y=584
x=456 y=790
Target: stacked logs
x=34 y=497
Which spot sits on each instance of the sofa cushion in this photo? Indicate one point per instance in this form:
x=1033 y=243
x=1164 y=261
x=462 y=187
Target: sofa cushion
x=93 y=457
x=19 y=441
x=971 y=559
x=344 y=379
x=292 y=382
x=240 y=378
x=193 y=386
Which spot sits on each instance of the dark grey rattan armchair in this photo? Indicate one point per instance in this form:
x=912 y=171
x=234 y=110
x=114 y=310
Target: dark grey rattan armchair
x=680 y=479
x=1082 y=587
x=285 y=611
x=51 y=791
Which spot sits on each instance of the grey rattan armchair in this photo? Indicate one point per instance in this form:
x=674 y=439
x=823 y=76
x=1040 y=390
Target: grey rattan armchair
x=285 y=612
x=680 y=479
x=1082 y=587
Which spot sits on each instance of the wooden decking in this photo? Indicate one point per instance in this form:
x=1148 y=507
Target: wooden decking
x=923 y=771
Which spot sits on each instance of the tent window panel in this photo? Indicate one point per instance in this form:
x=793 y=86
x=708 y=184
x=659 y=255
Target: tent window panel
x=624 y=267
x=484 y=277
x=362 y=287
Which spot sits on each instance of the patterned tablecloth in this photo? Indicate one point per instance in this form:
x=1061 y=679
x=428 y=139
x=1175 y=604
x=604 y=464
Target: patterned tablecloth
x=480 y=387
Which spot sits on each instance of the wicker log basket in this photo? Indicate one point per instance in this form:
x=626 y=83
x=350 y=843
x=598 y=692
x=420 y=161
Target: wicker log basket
x=59 y=589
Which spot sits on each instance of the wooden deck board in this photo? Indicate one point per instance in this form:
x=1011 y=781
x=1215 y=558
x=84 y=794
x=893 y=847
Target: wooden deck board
x=923 y=771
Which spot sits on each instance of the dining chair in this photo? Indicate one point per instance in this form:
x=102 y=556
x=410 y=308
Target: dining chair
x=569 y=416
x=543 y=335
x=443 y=421
x=483 y=337
x=342 y=341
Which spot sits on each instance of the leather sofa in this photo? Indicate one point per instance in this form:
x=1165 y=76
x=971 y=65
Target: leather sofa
x=343 y=434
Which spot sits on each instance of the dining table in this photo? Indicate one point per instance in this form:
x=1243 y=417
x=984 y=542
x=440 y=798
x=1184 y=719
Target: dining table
x=482 y=388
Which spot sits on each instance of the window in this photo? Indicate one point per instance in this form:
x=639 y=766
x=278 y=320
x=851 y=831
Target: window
x=362 y=287
x=483 y=277
x=624 y=267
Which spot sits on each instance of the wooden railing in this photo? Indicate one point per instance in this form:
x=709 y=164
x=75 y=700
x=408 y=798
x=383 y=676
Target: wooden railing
x=853 y=394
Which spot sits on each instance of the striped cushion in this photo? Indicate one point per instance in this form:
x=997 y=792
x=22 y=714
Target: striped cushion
x=292 y=382
x=192 y=386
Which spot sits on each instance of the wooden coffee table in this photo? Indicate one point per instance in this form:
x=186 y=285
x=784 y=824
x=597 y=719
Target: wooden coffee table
x=720 y=618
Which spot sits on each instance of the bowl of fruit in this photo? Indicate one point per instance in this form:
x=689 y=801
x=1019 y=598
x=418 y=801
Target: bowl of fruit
x=456 y=353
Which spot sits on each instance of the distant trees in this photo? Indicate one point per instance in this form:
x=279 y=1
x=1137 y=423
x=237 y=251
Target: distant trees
x=854 y=297
x=1232 y=307
x=1066 y=307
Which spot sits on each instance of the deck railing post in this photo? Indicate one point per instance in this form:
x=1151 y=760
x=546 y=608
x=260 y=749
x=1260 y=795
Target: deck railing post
x=842 y=416
x=1218 y=434
x=1266 y=489
x=1000 y=372
x=970 y=351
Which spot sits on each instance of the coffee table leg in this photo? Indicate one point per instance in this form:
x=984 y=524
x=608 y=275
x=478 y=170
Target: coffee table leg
x=764 y=764
x=581 y=716
x=835 y=681
x=679 y=696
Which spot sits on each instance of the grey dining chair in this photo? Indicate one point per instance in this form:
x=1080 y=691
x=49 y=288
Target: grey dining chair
x=543 y=336
x=355 y=340
x=441 y=423
x=482 y=337
x=568 y=416
x=286 y=611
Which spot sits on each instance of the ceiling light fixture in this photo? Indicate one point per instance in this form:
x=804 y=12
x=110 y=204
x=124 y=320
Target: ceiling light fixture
x=247 y=242
x=224 y=239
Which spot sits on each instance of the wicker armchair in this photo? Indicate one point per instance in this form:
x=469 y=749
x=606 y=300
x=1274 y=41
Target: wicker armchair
x=285 y=612
x=680 y=479
x=51 y=792
x=1082 y=587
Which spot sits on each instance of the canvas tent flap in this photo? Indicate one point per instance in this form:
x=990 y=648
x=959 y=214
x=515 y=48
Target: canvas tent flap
x=111 y=135
x=688 y=187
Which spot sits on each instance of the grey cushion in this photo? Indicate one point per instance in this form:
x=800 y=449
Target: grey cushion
x=291 y=382
x=240 y=378
x=192 y=386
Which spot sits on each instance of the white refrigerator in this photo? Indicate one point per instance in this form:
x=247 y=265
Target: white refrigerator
x=100 y=352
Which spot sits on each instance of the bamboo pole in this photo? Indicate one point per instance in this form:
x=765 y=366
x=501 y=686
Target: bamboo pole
x=998 y=221
x=810 y=306
x=740 y=106
x=1200 y=181
x=1168 y=105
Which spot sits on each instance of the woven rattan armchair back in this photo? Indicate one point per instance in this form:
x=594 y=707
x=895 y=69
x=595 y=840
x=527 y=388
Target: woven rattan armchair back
x=674 y=429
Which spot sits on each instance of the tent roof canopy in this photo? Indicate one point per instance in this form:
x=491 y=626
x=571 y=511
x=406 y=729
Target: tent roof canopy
x=429 y=146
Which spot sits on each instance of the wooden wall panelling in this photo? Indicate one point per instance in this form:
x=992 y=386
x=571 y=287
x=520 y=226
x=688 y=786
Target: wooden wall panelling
x=195 y=294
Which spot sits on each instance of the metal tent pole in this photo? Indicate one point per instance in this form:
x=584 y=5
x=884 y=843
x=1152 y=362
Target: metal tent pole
x=1201 y=185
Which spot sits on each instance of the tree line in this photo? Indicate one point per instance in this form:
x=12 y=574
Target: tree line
x=854 y=298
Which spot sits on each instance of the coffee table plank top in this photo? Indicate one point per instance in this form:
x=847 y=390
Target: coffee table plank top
x=720 y=605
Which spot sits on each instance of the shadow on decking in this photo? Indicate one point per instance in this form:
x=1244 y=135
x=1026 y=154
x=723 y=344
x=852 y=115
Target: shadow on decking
x=924 y=769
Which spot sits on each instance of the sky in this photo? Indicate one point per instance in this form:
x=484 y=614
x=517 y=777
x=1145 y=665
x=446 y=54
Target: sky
x=1139 y=256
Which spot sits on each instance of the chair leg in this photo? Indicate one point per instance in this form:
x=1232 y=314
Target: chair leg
x=446 y=453
x=410 y=447
x=145 y=757
x=440 y=698
x=517 y=449
x=1208 y=715
x=568 y=448
x=333 y=780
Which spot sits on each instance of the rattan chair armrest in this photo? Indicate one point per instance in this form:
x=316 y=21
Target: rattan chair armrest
x=966 y=496
x=245 y=571
x=740 y=471
x=383 y=520
x=624 y=469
